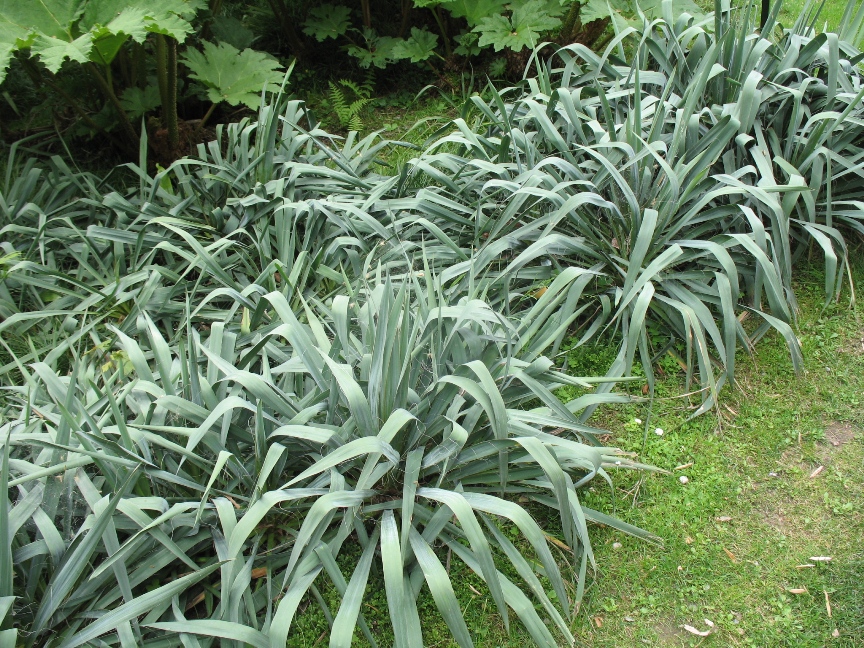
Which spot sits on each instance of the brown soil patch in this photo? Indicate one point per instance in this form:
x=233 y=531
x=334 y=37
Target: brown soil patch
x=837 y=435
x=668 y=634
x=776 y=518
x=855 y=344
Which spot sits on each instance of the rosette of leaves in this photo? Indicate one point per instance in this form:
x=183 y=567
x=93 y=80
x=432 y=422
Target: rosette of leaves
x=385 y=418
x=333 y=21
x=418 y=47
x=377 y=50
x=327 y=21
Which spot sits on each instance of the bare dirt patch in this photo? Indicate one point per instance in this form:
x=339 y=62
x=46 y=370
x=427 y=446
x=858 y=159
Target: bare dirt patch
x=837 y=435
x=855 y=344
x=775 y=517
x=668 y=634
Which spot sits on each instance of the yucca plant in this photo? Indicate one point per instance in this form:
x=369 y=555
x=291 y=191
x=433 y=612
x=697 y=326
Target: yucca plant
x=392 y=417
x=686 y=212
x=216 y=379
x=692 y=212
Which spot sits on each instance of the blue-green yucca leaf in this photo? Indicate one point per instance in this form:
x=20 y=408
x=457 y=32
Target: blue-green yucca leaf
x=442 y=590
x=136 y=607
x=74 y=564
x=409 y=327
x=215 y=628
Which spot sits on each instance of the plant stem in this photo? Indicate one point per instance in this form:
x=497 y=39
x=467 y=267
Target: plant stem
x=281 y=12
x=367 y=13
x=50 y=80
x=440 y=21
x=125 y=124
x=206 y=116
x=569 y=24
x=139 y=65
x=166 y=72
x=406 y=16
x=173 y=131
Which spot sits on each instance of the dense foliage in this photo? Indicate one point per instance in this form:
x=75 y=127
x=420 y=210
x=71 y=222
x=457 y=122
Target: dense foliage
x=218 y=379
x=130 y=50
x=97 y=67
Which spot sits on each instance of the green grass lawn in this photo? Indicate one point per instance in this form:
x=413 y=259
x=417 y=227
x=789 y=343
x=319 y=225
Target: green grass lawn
x=829 y=18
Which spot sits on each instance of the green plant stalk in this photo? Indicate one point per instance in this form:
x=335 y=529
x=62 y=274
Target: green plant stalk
x=281 y=12
x=48 y=78
x=162 y=67
x=443 y=29
x=139 y=65
x=367 y=13
x=406 y=16
x=166 y=72
x=108 y=91
x=173 y=131
x=124 y=68
x=570 y=21
x=207 y=116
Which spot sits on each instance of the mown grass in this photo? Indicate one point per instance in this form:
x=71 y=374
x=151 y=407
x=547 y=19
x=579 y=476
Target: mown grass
x=829 y=17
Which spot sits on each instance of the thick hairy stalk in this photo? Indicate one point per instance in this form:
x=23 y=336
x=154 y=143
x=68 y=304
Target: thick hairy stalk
x=166 y=72
x=569 y=26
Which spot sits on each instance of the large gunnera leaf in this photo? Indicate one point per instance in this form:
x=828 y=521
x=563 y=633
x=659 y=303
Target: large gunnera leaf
x=231 y=75
x=522 y=29
x=327 y=21
x=419 y=47
x=80 y=30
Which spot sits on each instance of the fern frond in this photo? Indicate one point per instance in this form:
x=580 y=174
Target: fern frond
x=347 y=112
x=339 y=104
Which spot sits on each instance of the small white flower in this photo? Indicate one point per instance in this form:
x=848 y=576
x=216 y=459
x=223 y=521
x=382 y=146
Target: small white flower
x=659 y=431
x=617 y=463
x=683 y=479
x=638 y=421
x=617 y=545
